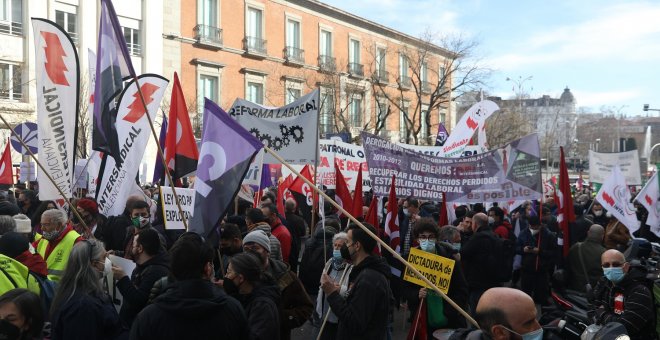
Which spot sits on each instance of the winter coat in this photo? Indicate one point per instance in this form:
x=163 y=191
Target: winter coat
x=297 y=223
x=340 y=277
x=114 y=229
x=363 y=314
x=503 y=229
x=261 y=310
x=295 y=305
x=313 y=259
x=474 y=254
x=547 y=244
x=283 y=235
x=34 y=262
x=591 y=252
x=638 y=314
x=275 y=247
x=191 y=309
x=87 y=317
x=135 y=290
x=617 y=236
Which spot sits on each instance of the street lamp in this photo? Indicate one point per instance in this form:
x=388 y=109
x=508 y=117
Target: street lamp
x=647 y=108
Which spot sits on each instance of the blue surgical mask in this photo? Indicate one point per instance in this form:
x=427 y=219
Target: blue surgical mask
x=406 y=212
x=456 y=246
x=336 y=254
x=614 y=274
x=427 y=245
x=533 y=335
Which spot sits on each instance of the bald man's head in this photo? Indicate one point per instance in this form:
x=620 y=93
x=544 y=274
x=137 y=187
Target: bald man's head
x=499 y=320
x=596 y=233
x=613 y=258
x=479 y=221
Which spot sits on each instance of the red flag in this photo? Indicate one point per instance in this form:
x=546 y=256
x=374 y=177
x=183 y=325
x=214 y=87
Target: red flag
x=419 y=326
x=372 y=214
x=444 y=218
x=357 y=197
x=565 y=212
x=342 y=195
x=281 y=189
x=297 y=184
x=181 y=152
x=392 y=220
x=6 y=175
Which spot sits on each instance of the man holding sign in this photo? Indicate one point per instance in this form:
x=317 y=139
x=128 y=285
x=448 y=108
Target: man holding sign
x=434 y=259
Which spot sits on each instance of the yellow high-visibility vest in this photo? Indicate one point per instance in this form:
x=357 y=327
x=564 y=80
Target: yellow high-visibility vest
x=14 y=274
x=59 y=257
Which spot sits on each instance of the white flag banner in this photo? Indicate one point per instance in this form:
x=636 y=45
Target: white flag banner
x=464 y=130
x=615 y=197
x=28 y=172
x=601 y=165
x=350 y=159
x=649 y=197
x=93 y=172
x=133 y=134
x=57 y=73
x=90 y=93
x=290 y=130
x=253 y=175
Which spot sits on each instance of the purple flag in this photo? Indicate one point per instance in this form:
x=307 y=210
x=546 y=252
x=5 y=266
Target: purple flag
x=266 y=180
x=442 y=135
x=225 y=155
x=159 y=169
x=113 y=63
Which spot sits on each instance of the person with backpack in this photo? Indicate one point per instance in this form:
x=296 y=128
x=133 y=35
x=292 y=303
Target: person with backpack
x=481 y=260
x=538 y=248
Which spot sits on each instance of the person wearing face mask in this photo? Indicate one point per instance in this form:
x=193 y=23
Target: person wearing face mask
x=81 y=309
x=258 y=294
x=140 y=220
x=21 y=315
x=364 y=312
x=623 y=296
x=89 y=211
x=598 y=214
x=230 y=244
x=503 y=314
x=438 y=313
x=408 y=216
x=56 y=243
x=538 y=248
x=338 y=269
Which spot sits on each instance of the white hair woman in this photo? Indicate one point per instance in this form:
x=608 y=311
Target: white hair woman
x=81 y=309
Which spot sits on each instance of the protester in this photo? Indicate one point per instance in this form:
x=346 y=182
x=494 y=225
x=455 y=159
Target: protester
x=16 y=246
x=231 y=244
x=363 y=313
x=579 y=228
x=257 y=292
x=501 y=227
x=451 y=236
x=318 y=249
x=296 y=222
x=81 y=309
x=407 y=219
x=14 y=274
x=28 y=202
x=583 y=261
x=503 y=313
x=617 y=235
x=57 y=242
x=295 y=305
x=191 y=307
x=152 y=264
x=278 y=230
x=140 y=221
x=255 y=220
x=339 y=270
x=538 y=248
x=21 y=314
x=89 y=212
x=465 y=227
x=623 y=296
x=115 y=227
x=598 y=214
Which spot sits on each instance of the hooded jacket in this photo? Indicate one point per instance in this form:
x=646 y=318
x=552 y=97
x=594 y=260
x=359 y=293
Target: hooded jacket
x=136 y=289
x=363 y=314
x=275 y=247
x=636 y=310
x=261 y=310
x=191 y=309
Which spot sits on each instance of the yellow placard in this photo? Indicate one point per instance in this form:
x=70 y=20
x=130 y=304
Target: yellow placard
x=435 y=268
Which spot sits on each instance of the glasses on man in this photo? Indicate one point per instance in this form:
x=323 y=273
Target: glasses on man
x=612 y=264
x=427 y=237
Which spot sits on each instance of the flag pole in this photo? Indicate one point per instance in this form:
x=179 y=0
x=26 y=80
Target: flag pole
x=372 y=235
x=160 y=152
x=66 y=199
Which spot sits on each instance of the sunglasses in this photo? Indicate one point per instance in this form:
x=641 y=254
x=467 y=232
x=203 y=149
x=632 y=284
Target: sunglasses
x=612 y=264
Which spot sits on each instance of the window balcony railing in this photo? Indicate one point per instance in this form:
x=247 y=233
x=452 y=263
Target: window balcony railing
x=254 y=45
x=405 y=82
x=14 y=94
x=294 y=55
x=426 y=86
x=327 y=63
x=381 y=76
x=74 y=37
x=208 y=35
x=356 y=70
x=134 y=49
x=11 y=28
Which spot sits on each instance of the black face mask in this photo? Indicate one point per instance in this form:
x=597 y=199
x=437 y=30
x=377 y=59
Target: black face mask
x=229 y=251
x=230 y=287
x=8 y=330
x=345 y=253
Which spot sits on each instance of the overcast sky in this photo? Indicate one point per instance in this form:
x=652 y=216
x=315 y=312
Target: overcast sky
x=607 y=52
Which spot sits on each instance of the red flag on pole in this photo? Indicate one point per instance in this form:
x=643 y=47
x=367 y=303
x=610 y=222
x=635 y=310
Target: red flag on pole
x=565 y=212
x=181 y=152
x=342 y=195
x=357 y=197
x=392 y=220
x=444 y=218
x=372 y=214
x=6 y=174
x=297 y=184
x=281 y=189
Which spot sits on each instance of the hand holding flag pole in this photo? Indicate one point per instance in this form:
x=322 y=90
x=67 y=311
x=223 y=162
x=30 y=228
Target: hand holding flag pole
x=372 y=235
x=43 y=170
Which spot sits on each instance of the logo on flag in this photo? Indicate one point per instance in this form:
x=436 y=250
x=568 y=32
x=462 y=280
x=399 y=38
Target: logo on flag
x=615 y=197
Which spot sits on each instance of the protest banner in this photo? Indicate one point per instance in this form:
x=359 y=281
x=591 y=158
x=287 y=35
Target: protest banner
x=435 y=268
x=350 y=159
x=253 y=175
x=614 y=195
x=57 y=85
x=133 y=134
x=465 y=128
x=601 y=165
x=171 y=212
x=27 y=172
x=291 y=130
x=649 y=197
x=511 y=172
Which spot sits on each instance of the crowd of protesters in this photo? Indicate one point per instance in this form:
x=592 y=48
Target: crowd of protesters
x=263 y=273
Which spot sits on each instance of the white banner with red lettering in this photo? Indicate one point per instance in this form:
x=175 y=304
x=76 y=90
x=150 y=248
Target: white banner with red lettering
x=350 y=159
x=460 y=136
x=649 y=197
x=615 y=197
x=57 y=72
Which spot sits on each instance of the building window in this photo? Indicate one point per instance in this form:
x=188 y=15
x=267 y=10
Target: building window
x=254 y=39
x=327 y=110
x=424 y=131
x=207 y=87
x=443 y=117
x=354 y=66
x=132 y=36
x=442 y=74
x=207 y=29
x=424 y=77
x=355 y=110
x=292 y=94
x=404 y=79
x=403 y=127
x=294 y=52
x=255 y=92
x=11 y=17
x=11 y=86
x=381 y=118
x=68 y=22
x=325 y=43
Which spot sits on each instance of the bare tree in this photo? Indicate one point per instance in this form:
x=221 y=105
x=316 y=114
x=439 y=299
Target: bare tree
x=84 y=128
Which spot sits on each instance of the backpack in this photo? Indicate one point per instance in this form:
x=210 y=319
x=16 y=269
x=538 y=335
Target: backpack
x=505 y=251
x=47 y=289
